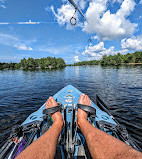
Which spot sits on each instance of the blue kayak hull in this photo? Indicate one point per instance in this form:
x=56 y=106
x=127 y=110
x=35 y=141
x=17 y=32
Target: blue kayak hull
x=61 y=97
x=71 y=142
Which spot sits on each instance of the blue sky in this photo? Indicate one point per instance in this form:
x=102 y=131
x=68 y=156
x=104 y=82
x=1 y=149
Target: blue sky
x=112 y=25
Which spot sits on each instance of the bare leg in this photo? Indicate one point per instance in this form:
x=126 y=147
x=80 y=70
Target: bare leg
x=45 y=146
x=100 y=144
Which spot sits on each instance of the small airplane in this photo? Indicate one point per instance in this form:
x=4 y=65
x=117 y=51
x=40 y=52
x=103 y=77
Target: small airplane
x=29 y=22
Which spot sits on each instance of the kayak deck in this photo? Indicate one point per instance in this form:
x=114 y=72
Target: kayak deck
x=71 y=143
x=68 y=97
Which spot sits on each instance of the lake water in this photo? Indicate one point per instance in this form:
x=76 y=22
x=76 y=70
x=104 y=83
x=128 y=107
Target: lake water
x=22 y=92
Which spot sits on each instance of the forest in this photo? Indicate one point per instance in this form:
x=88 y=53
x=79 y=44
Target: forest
x=52 y=62
x=94 y=62
x=30 y=63
x=119 y=59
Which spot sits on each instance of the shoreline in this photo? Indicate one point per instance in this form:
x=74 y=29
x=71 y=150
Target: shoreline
x=110 y=65
x=52 y=68
x=131 y=63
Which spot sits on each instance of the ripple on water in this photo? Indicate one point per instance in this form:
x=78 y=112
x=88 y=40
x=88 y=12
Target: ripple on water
x=23 y=92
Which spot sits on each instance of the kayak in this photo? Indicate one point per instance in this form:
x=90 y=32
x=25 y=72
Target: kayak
x=71 y=143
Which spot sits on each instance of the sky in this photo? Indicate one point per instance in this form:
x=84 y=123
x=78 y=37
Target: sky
x=111 y=26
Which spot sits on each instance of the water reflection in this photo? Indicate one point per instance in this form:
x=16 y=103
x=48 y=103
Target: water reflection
x=77 y=72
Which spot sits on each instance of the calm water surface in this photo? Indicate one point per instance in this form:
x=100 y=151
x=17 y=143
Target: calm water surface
x=22 y=92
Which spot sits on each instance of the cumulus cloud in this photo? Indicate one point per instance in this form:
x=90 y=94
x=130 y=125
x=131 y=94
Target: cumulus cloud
x=97 y=51
x=96 y=48
x=126 y=8
x=64 y=14
x=134 y=43
x=106 y=25
x=100 y=21
x=76 y=58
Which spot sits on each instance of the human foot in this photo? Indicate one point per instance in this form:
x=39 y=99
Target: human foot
x=57 y=116
x=82 y=115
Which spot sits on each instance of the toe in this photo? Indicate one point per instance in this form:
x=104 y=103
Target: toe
x=47 y=103
x=52 y=100
x=81 y=99
x=82 y=96
x=54 y=103
x=89 y=101
x=86 y=98
x=50 y=97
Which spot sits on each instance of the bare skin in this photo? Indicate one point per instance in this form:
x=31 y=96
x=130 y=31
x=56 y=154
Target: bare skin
x=45 y=146
x=100 y=144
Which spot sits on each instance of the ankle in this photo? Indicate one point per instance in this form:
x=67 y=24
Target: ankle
x=59 y=123
x=81 y=121
x=57 y=117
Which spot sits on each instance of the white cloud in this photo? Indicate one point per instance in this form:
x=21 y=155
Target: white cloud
x=97 y=51
x=76 y=58
x=23 y=47
x=67 y=11
x=95 y=37
x=126 y=8
x=100 y=20
x=134 y=43
x=94 y=49
x=13 y=41
x=81 y=3
x=140 y=1
x=64 y=14
x=109 y=26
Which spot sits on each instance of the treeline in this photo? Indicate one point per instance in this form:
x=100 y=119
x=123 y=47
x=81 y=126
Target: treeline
x=122 y=59
x=118 y=59
x=83 y=63
x=31 y=63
